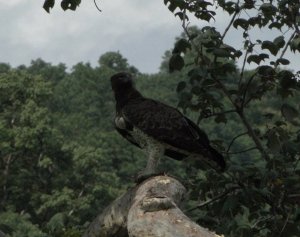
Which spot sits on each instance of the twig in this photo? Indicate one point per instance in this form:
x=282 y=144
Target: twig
x=216 y=114
x=245 y=91
x=243 y=69
x=244 y=120
x=97 y=6
x=296 y=163
x=285 y=48
x=223 y=112
x=260 y=220
x=236 y=137
x=294 y=195
x=254 y=137
x=231 y=21
x=224 y=89
x=285 y=223
x=238 y=152
x=185 y=26
x=222 y=195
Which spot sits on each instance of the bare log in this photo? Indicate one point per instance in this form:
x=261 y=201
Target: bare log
x=150 y=209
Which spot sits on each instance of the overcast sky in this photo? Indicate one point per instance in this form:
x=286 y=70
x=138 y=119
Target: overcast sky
x=141 y=30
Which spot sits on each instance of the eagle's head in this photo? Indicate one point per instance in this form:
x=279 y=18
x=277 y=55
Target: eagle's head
x=121 y=81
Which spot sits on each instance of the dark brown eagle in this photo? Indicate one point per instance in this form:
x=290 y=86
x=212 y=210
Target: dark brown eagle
x=158 y=129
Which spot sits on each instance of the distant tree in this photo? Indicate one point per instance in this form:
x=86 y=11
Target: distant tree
x=115 y=61
x=4 y=67
x=29 y=149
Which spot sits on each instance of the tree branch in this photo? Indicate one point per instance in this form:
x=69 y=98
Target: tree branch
x=243 y=69
x=232 y=19
x=285 y=48
x=150 y=209
x=254 y=137
x=240 y=112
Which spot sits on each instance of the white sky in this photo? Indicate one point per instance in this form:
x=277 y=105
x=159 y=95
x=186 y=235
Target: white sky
x=141 y=30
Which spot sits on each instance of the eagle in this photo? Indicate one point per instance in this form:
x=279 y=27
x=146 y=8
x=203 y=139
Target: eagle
x=159 y=129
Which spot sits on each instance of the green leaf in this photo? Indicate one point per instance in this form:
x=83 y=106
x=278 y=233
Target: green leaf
x=255 y=21
x=45 y=162
x=241 y=22
x=181 y=85
x=270 y=46
x=268 y=9
x=228 y=67
x=181 y=46
x=64 y=4
x=229 y=6
x=181 y=15
x=176 y=63
x=175 y=4
x=238 y=53
x=196 y=90
x=273 y=141
x=172 y=7
x=266 y=70
x=221 y=118
x=205 y=15
x=257 y=58
x=282 y=61
x=70 y=4
x=56 y=222
x=230 y=203
x=289 y=112
x=279 y=41
x=269 y=115
x=287 y=79
x=295 y=44
x=48 y=4
x=186 y=97
x=222 y=53
x=276 y=25
x=196 y=74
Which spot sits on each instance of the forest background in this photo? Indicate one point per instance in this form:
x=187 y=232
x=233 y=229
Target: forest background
x=62 y=161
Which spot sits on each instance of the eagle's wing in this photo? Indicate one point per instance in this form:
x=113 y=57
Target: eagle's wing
x=168 y=125
x=127 y=136
x=165 y=124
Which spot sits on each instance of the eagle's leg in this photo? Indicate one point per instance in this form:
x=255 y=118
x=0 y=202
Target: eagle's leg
x=154 y=151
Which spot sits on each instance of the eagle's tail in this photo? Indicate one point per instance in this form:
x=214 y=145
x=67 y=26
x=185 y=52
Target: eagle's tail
x=217 y=158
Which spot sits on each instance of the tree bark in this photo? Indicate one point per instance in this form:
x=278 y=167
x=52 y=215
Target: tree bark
x=151 y=209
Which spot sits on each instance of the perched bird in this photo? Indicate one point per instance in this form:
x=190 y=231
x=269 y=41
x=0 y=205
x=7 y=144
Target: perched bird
x=158 y=129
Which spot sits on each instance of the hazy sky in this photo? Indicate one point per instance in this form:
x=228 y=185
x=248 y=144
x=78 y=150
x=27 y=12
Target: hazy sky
x=141 y=30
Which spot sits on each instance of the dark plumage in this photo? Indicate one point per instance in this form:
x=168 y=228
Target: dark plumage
x=158 y=128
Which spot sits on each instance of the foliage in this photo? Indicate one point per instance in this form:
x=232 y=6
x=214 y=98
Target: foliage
x=56 y=147
x=65 y=4
x=258 y=194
